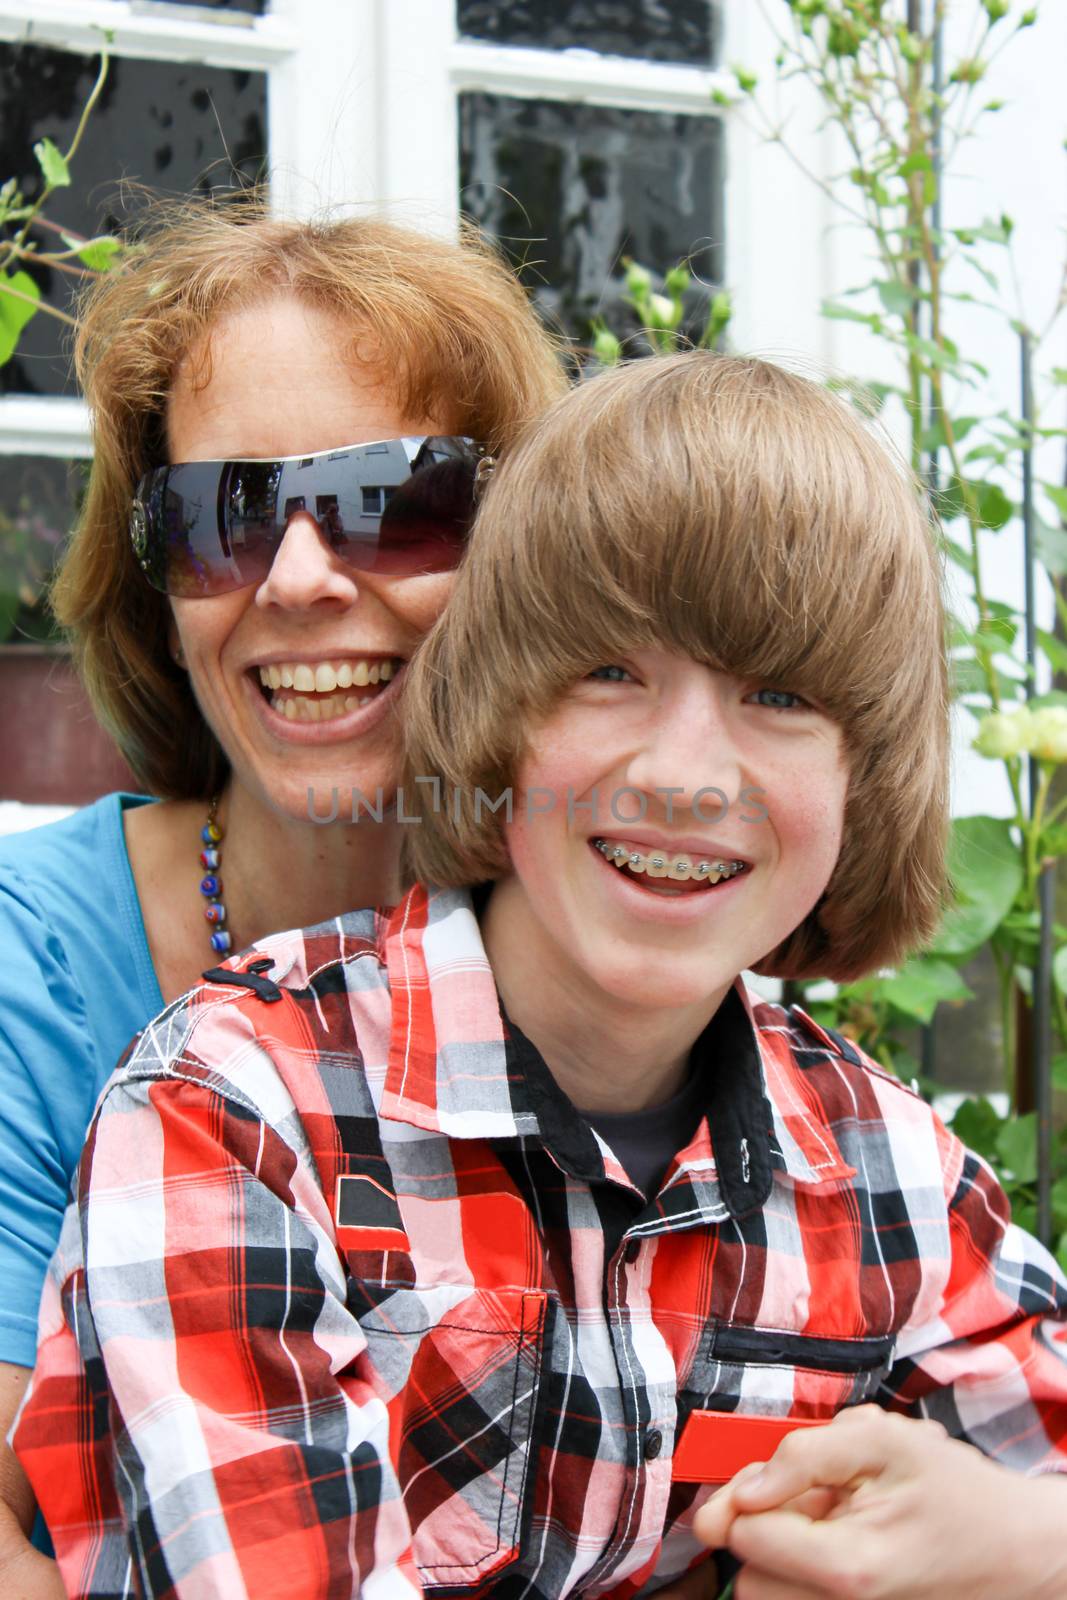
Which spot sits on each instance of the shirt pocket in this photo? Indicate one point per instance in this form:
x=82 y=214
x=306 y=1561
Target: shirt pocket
x=777 y=1373
x=464 y=1387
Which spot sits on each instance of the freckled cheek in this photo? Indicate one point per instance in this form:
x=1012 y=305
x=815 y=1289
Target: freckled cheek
x=562 y=763
x=809 y=824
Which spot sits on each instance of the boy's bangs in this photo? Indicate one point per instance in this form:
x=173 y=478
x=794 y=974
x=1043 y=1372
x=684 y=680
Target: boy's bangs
x=751 y=549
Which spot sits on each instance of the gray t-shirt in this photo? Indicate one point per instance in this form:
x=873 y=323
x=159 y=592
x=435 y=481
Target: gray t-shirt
x=646 y=1141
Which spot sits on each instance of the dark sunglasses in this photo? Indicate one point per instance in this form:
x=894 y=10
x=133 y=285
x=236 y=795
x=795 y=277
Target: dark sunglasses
x=397 y=507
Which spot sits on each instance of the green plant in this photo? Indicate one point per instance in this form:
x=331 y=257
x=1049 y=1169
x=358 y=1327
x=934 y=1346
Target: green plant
x=874 y=79
x=30 y=240
x=661 y=313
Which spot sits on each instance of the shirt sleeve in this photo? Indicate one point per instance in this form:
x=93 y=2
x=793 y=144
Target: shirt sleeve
x=48 y=1082
x=197 y=1346
x=991 y=1361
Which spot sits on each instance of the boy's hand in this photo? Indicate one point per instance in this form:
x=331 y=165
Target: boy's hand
x=883 y=1507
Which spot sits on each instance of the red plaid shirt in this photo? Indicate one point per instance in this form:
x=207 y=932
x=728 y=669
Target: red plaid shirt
x=351 y=1300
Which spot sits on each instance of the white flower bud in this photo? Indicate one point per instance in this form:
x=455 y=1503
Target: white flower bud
x=1004 y=733
x=1049 y=733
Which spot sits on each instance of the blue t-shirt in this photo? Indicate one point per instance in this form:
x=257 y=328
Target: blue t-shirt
x=76 y=983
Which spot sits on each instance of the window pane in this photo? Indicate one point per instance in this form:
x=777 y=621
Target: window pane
x=256 y=7
x=655 y=30
x=39 y=500
x=570 y=190
x=172 y=126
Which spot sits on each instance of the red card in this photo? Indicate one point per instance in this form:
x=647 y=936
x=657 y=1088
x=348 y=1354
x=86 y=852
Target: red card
x=716 y=1444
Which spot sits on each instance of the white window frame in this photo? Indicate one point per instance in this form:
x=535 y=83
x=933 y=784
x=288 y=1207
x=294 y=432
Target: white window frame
x=362 y=102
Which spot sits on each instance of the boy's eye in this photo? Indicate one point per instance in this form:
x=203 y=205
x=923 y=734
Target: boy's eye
x=612 y=673
x=778 y=699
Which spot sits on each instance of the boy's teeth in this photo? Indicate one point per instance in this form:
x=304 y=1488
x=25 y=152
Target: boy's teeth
x=656 y=864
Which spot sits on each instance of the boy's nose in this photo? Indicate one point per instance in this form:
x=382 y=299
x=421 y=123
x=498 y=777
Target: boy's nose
x=305 y=571
x=693 y=747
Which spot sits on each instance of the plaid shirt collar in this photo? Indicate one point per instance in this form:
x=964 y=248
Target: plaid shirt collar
x=763 y=1119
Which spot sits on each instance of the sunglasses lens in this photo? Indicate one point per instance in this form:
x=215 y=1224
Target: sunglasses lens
x=415 y=526
x=211 y=527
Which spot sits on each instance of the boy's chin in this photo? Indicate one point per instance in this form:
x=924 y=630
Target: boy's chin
x=653 y=986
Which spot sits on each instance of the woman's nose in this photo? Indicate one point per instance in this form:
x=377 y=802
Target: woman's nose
x=306 y=572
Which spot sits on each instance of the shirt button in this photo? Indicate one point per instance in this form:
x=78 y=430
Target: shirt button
x=653 y=1444
x=633 y=1250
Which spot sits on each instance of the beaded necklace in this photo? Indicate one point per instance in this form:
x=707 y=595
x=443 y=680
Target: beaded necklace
x=211 y=885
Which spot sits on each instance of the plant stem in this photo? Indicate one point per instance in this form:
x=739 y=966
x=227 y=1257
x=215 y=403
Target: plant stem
x=38 y=305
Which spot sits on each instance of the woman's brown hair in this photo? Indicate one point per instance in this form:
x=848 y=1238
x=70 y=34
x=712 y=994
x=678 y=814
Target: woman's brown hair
x=748 y=518
x=449 y=325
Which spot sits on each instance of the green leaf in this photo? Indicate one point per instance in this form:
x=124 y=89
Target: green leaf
x=919 y=162
x=98 y=254
x=977 y=1123
x=1059 y=1204
x=897 y=298
x=839 y=313
x=959 y=554
x=1051 y=543
x=1017 y=1147
x=921 y=984
x=986 y=873
x=1055 y=649
x=52 y=164
x=14 y=311
x=934 y=437
x=987 y=500
x=1058 y=497
x=1059 y=1073
x=995 y=636
x=1059 y=969
x=992 y=232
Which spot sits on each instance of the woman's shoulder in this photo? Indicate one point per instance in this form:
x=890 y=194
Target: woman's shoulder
x=88 y=839
x=71 y=932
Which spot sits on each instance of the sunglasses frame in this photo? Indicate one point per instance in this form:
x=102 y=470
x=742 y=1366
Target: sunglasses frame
x=143 y=535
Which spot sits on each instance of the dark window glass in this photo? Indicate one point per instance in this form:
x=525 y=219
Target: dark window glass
x=570 y=190
x=256 y=7
x=39 y=500
x=655 y=30
x=171 y=126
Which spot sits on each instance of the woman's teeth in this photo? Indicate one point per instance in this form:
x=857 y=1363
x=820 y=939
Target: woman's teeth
x=320 y=680
x=658 y=864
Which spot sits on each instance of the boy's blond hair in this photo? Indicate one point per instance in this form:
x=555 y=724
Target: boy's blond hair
x=746 y=517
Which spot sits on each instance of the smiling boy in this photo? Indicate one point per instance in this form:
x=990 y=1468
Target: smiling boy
x=462 y=1247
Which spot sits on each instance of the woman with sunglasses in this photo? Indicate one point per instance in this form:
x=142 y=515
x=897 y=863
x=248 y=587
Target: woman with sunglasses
x=288 y=419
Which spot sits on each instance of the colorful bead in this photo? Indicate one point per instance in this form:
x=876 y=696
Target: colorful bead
x=211 y=885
